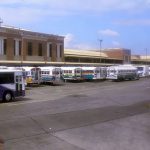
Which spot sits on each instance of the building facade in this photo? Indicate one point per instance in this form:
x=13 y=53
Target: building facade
x=18 y=45
x=119 y=53
x=106 y=56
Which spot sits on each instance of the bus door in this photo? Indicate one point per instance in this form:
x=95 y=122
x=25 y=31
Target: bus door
x=103 y=72
x=78 y=73
x=19 y=87
x=97 y=74
x=36 y=75
x=57 y=73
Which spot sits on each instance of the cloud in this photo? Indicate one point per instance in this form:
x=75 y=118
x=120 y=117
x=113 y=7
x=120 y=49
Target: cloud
x=78 y=6
x=23 y=11
x=20 y=12
x=69 y=39
x=70 y=42
x=108 y=32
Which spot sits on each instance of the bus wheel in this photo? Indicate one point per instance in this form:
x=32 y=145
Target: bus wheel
x=7 y=97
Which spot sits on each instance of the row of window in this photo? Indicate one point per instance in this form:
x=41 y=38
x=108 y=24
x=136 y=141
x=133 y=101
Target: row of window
x=127 y=71
x=122 y=71
x=18 y=46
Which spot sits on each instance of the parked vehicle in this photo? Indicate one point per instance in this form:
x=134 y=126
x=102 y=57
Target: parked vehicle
x=122 y=72
x=72 y=73
x=88 y=73
x=11 y=84
x=32 y=75
x=143 y=70
x=51 y=75
x=100 y=73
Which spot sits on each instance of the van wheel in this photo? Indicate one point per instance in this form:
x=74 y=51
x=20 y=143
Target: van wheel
x=7 y=97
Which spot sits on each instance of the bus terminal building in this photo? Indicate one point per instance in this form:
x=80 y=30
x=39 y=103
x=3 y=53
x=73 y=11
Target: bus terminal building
x=24 y=47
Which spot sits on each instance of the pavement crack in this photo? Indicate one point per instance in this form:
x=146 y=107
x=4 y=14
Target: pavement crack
x=38 y=125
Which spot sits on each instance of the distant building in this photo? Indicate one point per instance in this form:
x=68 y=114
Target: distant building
x=119 y=53
x=107 y=56
x=23 y=46
x=141 y=60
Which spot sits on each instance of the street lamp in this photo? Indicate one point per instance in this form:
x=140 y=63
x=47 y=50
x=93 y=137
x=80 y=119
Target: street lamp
x=100 y=46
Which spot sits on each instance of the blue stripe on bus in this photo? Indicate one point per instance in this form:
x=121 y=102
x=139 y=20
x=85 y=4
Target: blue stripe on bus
x=88 y=76
x=3 y=89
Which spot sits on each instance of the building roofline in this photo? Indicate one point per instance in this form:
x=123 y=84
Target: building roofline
x=29 y=31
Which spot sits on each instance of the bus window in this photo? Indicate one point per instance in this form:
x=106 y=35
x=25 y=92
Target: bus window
x=6 y=78
x=140 y=68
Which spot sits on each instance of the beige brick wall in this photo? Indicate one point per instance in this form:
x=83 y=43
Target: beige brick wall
x=12 y=35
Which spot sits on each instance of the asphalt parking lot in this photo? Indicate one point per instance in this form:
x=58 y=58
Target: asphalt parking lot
x=79 y=116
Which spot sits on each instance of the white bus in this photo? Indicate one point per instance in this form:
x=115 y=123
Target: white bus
x=122 y=72
x=72 y=73
x=88 y=73
x=143 y=70
x=11 y=84
x=94 y=73
x=100 y=73
x=50 y=74
x=32 y=75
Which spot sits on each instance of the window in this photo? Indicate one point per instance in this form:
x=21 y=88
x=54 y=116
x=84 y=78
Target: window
x=14 y=47
x=60 y=50
x=20 y=47
x=50 y=50
x=140 y=68
x=56 y=50
x=29 y=50
x=40 y=49
x=97 y=71
x=5 y=46
x=6 y=78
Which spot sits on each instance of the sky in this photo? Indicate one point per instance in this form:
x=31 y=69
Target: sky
x=83 y=23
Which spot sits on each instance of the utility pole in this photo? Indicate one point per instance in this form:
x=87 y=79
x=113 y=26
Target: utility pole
x=100 y=47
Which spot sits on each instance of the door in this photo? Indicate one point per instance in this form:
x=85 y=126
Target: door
x=18 y=85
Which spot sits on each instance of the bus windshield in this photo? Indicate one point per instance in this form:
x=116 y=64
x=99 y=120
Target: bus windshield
x=6 y=78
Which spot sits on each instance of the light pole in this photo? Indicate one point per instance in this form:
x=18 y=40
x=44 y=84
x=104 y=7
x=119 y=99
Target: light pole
x=100 y=46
